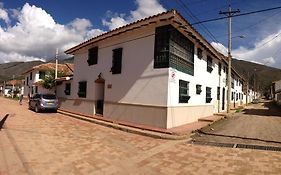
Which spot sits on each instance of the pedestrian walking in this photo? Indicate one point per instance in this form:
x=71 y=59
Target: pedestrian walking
x=20 y=99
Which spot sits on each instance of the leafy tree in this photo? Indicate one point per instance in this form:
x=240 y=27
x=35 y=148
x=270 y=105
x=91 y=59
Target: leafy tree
x=48 y=82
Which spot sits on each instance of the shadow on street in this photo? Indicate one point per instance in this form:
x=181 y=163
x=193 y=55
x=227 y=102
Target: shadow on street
x=258 y=124
x=270 y=109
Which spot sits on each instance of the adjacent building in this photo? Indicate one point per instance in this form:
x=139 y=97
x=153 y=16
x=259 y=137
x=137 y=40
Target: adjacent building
x=276 y=91
x=35 y=75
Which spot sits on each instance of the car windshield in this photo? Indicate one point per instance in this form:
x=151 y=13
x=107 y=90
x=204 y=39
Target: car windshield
x=49 y=96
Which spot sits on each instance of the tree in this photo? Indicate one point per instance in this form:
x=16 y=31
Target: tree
x=48 y=82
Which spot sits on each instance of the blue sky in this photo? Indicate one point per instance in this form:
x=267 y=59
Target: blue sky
x=70 y=22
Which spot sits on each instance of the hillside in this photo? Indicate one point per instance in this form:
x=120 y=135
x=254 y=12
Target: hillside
x=264 y=75
x=7 y=70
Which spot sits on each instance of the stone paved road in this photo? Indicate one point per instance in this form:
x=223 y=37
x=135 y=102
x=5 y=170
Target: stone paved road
x=55 y=144
x=260 y=122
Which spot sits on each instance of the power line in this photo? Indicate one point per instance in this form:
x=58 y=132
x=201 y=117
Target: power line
x=207 y=31
x=265 y=43
x=215 y=9
x=242 y=14
x=252 y=25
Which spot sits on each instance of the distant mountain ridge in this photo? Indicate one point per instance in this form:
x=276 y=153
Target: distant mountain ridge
x=15 y=69
x=258 y=74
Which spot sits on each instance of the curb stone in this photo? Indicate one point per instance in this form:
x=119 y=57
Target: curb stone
x=153 y=134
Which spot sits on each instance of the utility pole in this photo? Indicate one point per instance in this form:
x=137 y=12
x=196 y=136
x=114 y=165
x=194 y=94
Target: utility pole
x=229 y=14
x=56 y=71
x=247 y=93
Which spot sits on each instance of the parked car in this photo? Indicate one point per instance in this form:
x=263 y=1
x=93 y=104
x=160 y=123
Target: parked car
x=41 y=102
x=255 y=101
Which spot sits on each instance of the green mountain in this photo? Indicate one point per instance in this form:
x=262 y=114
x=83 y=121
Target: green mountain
x=15 y=69
x=258 y=75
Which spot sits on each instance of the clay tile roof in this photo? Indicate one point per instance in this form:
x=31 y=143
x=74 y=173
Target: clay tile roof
x=68 y=68
x=172 y=15
x=119 y=29
x=14 y=82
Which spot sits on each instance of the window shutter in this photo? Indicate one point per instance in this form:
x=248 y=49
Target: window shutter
x=82 y=89
x=117 y=61
x=67 y=89
x=93 y=56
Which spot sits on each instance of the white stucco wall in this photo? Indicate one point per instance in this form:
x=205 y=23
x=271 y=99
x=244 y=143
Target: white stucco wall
x=35 y=78
x=139 y=82
x=201 y=77
x=278 y=85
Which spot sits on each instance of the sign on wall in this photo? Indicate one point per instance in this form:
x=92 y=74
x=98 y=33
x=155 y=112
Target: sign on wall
x=172 y=77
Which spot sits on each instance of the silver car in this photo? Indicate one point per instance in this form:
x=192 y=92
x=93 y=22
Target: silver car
x=40 y=102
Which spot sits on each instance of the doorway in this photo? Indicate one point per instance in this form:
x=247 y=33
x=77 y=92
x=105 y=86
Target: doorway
x=223 y=98
x=99 y=94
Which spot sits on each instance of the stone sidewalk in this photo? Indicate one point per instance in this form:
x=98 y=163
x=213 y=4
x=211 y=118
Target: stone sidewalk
x=50 y=143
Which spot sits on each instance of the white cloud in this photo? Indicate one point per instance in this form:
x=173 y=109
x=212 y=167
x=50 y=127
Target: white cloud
x=81 y=25
x=13 y=56
x=269 y=61
x=145 y=8
x=115 y=22
x=266 y=51
x=36 y=35
x=93 y=33
x=4 y=15
x=220 y=47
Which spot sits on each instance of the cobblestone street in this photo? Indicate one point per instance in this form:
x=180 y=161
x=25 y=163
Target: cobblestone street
x=51 y=143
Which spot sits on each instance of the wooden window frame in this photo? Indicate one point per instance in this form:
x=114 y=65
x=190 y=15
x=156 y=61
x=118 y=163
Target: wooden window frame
x=209 y=64
x=208 y=95
x=67 y=89
x=183 y=86
x=198 y=89
x=82 y=89
x=93 y=56
x=117 y=61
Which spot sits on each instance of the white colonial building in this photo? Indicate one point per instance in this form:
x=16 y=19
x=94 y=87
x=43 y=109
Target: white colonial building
x=276 y=92
x=158 y=71
x=36 y=74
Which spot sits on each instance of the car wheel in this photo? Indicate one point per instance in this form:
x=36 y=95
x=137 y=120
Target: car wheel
x=36 y=109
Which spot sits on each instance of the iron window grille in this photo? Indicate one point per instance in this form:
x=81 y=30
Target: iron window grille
x=219 y=68
x=183 y=91
x=208 y=95
x=198 y=89
x=173 y=49
x=218 y=93
x=209 y=64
